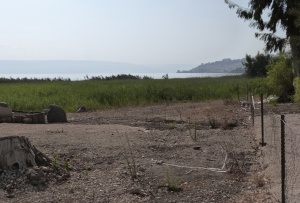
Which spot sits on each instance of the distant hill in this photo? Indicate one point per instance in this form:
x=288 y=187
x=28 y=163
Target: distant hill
x=225 y=66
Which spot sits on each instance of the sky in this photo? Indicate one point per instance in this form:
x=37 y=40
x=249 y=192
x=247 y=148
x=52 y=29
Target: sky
x=128 y=31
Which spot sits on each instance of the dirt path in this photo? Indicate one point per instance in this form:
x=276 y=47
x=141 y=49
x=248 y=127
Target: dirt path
x=95 y=145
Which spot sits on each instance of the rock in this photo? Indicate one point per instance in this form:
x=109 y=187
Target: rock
x=3 y=104
x=45 y=111
x=81 y=109
x=5 y=111
x=56 y=114
x=45 y=169
x=27 y=120
x=196 y=147
x=136 y=191
x=18 y=118
x=36 y=176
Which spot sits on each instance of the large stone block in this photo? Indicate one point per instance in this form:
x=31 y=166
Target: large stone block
x=56 y=114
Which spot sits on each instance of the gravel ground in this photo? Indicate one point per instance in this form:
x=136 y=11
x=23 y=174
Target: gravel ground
x=146 y=154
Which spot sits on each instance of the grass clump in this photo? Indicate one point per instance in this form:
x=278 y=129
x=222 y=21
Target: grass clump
x=193 y=132
x=172 y=183
x=213 y=122
x=130 y=160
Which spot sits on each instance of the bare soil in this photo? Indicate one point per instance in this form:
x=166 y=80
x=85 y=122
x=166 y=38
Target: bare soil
x=147 y=154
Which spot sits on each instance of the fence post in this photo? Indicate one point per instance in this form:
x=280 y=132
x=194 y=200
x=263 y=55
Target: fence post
x=252 y=112
x=282 y=159
x=262 y=120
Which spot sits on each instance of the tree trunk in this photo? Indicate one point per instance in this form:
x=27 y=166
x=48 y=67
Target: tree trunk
x=18 y=153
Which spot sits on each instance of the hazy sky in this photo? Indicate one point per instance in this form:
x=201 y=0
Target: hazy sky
x=130 y=31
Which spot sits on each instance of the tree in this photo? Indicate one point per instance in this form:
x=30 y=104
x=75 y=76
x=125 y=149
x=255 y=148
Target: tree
x=295 y=40
x=280 y=76
x=256 y=66
x=282 y=15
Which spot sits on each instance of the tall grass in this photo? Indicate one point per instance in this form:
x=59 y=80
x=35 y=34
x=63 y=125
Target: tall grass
x=102 y=94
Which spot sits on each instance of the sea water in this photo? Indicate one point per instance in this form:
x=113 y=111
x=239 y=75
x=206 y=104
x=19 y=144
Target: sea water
x=77 y=77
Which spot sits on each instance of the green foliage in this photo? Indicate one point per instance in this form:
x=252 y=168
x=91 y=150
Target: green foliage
x=131 y=162
x=280 y=75
x=295 y=40
x=193 y=132
x=297 y=89
x=279 y=16
x=172 y=183
x=102 y=94
x=256 y=66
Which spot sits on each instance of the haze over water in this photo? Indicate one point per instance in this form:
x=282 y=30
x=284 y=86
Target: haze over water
x=134 y=32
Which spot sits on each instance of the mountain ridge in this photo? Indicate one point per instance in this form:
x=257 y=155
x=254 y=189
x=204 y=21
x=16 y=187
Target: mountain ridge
x=226 y=65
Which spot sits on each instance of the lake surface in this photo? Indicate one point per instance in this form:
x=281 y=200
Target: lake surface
x=76 y=77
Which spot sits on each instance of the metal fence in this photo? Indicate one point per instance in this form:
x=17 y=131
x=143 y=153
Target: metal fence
x=278 y=134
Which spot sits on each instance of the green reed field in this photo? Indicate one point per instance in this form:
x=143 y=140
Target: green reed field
x=103 y=94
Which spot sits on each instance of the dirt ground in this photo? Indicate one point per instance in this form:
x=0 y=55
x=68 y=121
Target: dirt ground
x=188 y=152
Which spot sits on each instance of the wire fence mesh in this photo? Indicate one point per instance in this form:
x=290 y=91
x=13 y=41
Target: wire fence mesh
x=271 y=153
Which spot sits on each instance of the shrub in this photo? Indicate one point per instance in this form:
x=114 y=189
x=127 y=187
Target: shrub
x=297 y=89
x=280 y=75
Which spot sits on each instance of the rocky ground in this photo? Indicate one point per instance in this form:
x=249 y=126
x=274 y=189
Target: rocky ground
x=189 y=152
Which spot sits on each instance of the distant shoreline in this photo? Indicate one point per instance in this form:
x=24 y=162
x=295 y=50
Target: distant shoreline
x=79 y=77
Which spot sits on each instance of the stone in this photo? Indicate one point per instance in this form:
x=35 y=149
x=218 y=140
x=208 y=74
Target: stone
x=27 y=120
x=3 y=104
x=81 y=109
x=45 y=111
x=36 y=176
x=5 y=110
x=136 y=191
x=56 y=114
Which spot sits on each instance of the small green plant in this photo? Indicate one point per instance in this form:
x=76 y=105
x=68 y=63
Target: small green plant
x=85 y=173
x=229 y=124
x=59 y=163
x=193 y=132
x=172 y=183
x=213 y=122
x=55 y=162
x=180 y=113
x=67 y=166
x=131 y=163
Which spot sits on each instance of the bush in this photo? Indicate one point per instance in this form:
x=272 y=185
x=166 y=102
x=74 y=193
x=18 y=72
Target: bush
x=280 y=76
x=297 y=89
